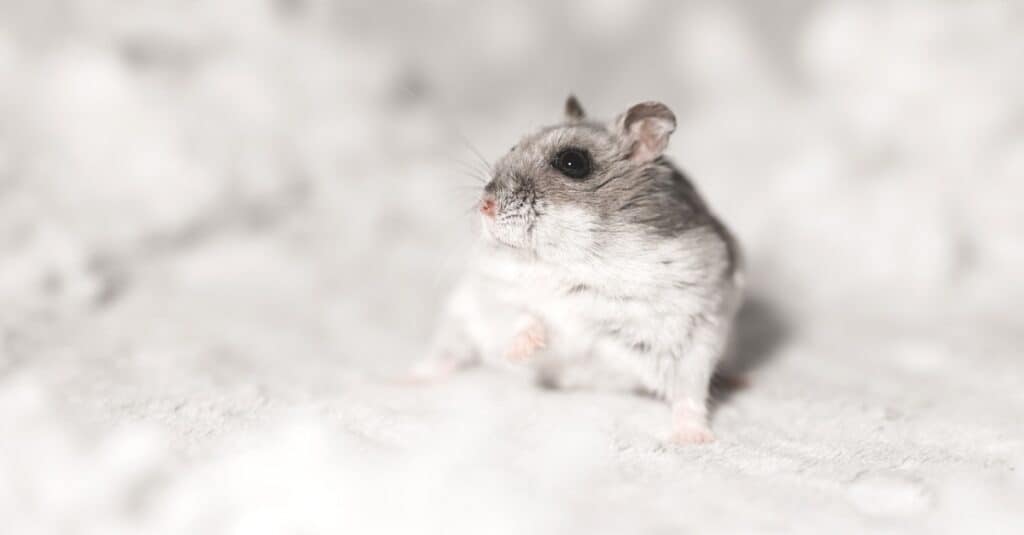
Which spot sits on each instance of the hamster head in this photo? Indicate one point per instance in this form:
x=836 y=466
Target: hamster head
x=565 y=190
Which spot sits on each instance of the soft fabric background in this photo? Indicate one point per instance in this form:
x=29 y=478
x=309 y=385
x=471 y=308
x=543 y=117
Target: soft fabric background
x=225 y=224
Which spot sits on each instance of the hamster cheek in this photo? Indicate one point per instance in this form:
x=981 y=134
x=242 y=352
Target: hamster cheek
x=565 y=233
x=511 y=230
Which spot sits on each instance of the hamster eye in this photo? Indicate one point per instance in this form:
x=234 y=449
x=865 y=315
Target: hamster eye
x=573 y=163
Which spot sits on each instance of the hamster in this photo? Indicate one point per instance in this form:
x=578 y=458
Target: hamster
x=600 y=266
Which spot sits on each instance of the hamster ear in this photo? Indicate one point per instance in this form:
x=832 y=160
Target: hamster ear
x=646 y=127
x=573 y=109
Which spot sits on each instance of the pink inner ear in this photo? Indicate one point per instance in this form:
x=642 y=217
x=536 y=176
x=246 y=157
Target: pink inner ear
x=650 y=137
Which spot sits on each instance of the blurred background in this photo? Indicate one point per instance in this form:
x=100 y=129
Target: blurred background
x=222 y=222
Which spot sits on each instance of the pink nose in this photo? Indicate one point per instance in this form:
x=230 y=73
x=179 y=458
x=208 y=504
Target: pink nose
x=488 y=207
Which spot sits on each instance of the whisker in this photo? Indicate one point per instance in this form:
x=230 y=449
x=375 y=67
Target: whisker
x=485 y=173
x=476 y=152
x=462 y=190
x=440 y=110
x=472 y=172
x=477 y=179
x=465 y=187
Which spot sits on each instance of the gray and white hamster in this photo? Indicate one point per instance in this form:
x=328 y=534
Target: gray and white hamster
x=600 y=267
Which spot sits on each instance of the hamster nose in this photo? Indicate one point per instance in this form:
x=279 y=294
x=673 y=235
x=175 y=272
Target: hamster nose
x=488 y=207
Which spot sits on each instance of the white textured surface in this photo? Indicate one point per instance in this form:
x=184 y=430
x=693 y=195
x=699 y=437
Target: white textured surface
x=221 y=226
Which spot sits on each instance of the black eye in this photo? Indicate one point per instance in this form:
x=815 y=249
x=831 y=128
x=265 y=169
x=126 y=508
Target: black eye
x=573 y=163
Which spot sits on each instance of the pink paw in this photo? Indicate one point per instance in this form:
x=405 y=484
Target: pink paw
x=692 y=435
x=529 y=339
x=689 y=423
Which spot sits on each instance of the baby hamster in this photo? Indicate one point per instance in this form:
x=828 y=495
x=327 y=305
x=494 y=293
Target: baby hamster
x=600 y=266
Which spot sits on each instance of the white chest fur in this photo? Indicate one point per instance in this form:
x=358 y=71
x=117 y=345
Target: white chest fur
x=630 y=309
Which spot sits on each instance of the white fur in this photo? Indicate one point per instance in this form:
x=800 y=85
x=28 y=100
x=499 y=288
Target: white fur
x=667 y=294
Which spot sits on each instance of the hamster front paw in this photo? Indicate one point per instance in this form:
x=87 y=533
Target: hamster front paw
x=685 y=436
x=689 y=424
x=530 y=337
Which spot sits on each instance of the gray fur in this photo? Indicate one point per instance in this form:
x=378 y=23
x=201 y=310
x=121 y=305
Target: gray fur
x=622 y=193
